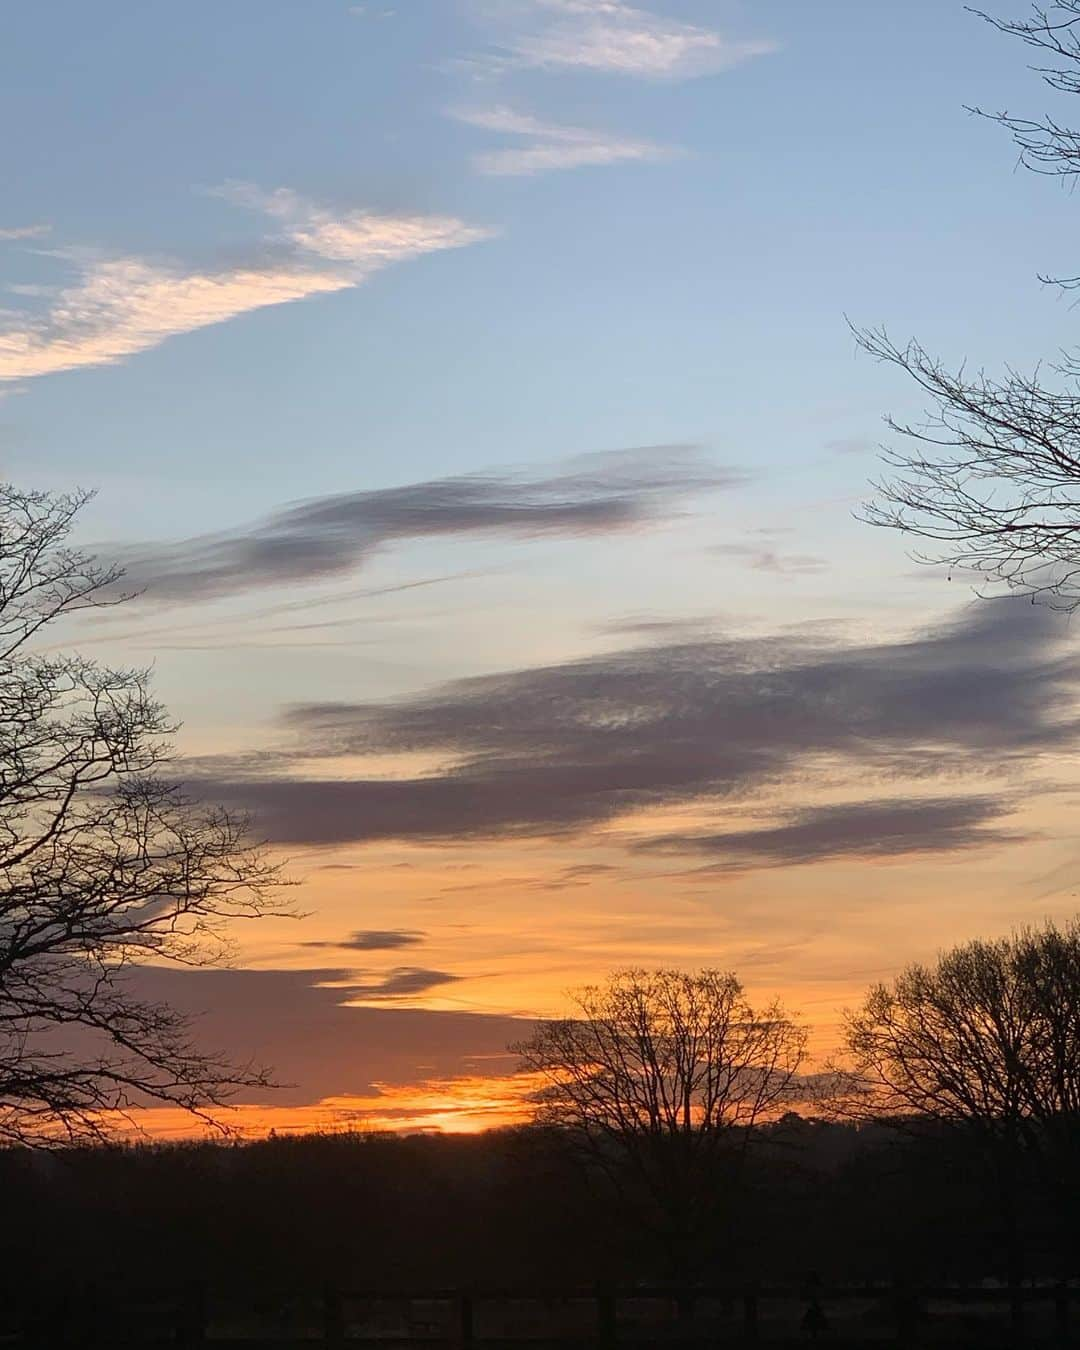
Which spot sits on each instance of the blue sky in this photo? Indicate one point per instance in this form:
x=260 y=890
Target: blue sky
x=699 y=297
x=260 y=253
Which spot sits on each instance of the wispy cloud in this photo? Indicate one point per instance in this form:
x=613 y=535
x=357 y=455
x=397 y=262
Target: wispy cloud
x=890 y=828
x=574 y=747
x=25 y=231
x=124 y=306
x=771 y=560
x=552 y=145
x=401 y=982
x=613 y=37
x=331 y=536
x=851 y=445
x=373 y=940
x=365 y=240
x=121 y=306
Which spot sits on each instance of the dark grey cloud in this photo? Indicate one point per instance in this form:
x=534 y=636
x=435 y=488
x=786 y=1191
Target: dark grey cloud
x=373 y=940
x=890 y=828
x=299 y=1023
x=332 y=536
x=402 y=981
x=647 y=628
x=561 y=748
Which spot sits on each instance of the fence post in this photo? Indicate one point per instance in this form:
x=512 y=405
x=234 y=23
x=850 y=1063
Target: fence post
x=750 y=1316
x=464 y=1321
x=1061 y=1313
x=58 y=1321
x=191 y=1315
x=1016 y=1314
x=90 y=1329
x=606 y=1318
x=333 y=1317
x=906 y=1319
x=606 y=1333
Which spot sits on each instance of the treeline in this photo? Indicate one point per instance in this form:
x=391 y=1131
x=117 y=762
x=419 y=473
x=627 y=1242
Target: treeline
x=516 y=1207
x=946 y=1150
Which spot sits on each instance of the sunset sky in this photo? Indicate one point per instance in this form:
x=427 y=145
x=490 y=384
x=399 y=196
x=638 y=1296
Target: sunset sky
x=468 y=391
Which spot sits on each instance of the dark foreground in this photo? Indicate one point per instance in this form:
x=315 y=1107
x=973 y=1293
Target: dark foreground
x=508 y=1239
x=597 y=1319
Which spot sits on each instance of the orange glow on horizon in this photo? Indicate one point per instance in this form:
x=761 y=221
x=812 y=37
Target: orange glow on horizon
x=465 y=1105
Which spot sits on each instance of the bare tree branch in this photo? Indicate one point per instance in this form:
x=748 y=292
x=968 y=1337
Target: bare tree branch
x=991 y=477
x=664 y=1077
x=104 y=863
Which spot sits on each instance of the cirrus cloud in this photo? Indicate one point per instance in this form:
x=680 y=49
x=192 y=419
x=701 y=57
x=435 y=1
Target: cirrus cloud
x=552 y=145
x=16 y=232
x=331 y=536
x=612 y=37
x=373 y=940
x=118 y=307
x=889 y=828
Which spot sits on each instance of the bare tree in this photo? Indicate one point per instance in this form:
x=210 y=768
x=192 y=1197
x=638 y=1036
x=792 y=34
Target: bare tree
x=663 y=1076
x=994 y=479
x=1048 y=966
x=985 y=1044
x=991 y=477
x=1054 y=32
x=104 y=864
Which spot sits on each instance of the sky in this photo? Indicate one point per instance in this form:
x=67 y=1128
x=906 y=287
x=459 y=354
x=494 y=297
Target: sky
x=468 y=390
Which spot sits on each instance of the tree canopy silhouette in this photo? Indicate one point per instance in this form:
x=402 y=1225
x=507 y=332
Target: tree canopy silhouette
x=986 y=1043
x=663 y=1076
x=103 y=862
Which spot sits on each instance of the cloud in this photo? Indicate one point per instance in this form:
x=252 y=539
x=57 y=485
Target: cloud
x=570 y=747
x=402 y=982
x=125 y=306
x=24 y=232
x=647 y=626
x=364 y=240
x=553 y=146
x=851 y=445
x=331 y=536
x=121 y=306
x=769 y=560
x=373 y=940
x=891 y=828
x=612 y=37
x=303 y=1025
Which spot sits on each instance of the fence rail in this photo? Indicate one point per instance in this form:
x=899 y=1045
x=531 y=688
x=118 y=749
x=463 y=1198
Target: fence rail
x=189 y=1317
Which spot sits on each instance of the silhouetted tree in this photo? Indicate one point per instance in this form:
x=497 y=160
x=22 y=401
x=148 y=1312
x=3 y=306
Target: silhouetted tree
x=987 y=1042
x=663 y=1077
x=1048 y=965
x=103 y=863
x=1054 y=32
x=991 y=476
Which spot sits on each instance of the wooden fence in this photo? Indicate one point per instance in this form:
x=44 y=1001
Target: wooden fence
x=604 y=1317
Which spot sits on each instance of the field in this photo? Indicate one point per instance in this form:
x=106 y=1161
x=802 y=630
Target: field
x=977 y=1316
